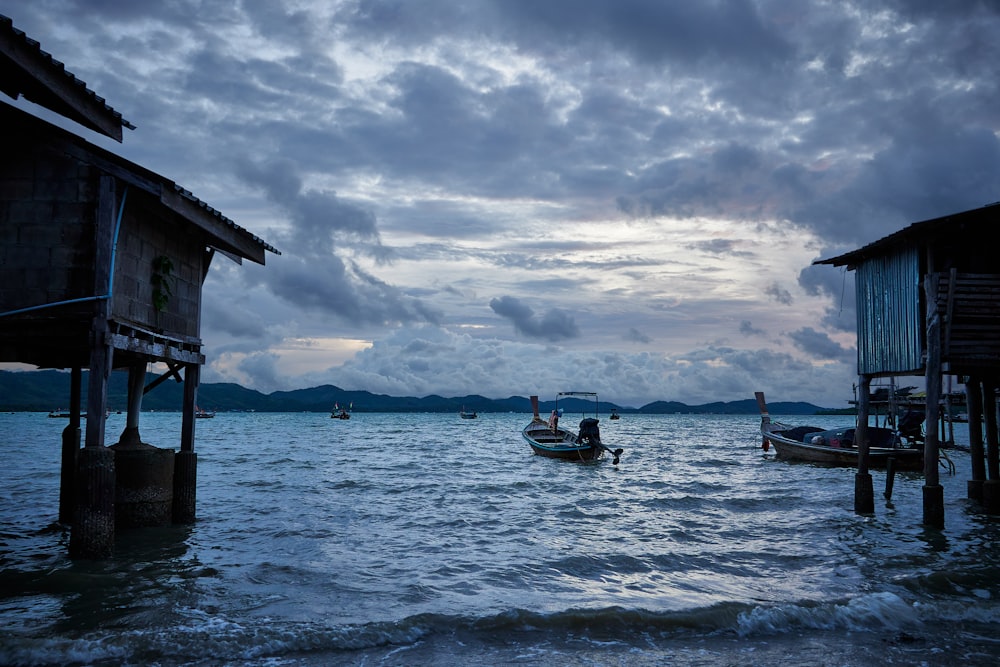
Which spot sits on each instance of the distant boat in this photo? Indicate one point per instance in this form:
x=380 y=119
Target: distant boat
x=56 y=414
x=548 y=439
x=203 y=414
x=467 y=415
x=340 y=413
x=614 y=414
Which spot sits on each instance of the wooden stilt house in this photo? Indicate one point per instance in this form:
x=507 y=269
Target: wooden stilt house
x=928 y=303
x=102 y=264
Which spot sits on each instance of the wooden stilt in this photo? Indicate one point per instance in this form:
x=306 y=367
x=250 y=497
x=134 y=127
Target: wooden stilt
x=991 y=487
x=70 y=450
x=864 y=491
x=93 y=531
x=933 y=492
x=890 y=477
x=977 y=452
x=186 y=461
x=136 y=379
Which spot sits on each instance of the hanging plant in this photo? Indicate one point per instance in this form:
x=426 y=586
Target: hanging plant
x=162 y=276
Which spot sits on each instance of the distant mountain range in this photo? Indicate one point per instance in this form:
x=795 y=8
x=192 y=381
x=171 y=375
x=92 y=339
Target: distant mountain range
x=42 y=391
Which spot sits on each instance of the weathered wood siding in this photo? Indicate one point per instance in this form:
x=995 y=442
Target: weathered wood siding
x=144 y=236
x=968 y=305
x=47 y=209
x=47 y=252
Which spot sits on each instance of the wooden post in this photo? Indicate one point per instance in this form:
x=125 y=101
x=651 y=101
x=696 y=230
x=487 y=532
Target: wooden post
x=977 y=453
x=864 y=492
x=890 y=477
x=136 y=379
x=70 y=449
x=192 y=377
x=186 y=461
x=93 y=532
x=933 y=492
x=991 y=487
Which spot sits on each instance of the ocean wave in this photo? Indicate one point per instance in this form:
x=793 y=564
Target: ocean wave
x=199 y=637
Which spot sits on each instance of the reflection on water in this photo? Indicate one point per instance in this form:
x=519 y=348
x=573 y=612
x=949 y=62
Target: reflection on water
x=416 y=539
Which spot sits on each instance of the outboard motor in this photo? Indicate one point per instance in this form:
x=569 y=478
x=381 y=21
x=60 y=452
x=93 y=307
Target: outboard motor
x=590 y=433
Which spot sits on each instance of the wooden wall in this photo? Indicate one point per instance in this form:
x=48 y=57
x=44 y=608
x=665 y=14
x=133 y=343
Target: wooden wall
x=146 y=235
x=47 y=213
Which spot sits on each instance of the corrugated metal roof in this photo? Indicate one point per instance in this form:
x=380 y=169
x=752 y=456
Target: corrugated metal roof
x=918 y=230
x=221 y=218
x=28 y=71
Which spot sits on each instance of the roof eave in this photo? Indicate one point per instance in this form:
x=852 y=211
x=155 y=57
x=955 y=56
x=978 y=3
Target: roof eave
x=33 y=74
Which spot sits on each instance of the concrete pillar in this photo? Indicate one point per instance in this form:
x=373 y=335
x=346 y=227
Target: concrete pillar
x=991 y=496
x=186 y=462
x=144 y=485
x=93 y=533
x=934 y=505
x=70 y=449
x=864 y=494
x=185 y=485
x=67 y=478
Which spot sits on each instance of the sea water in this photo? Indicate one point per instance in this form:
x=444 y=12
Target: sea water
x=426 y=539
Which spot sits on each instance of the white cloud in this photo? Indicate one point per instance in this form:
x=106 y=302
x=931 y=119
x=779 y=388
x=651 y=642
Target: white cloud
x=620 y=195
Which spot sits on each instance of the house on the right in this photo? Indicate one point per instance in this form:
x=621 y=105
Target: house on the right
x=928 y=303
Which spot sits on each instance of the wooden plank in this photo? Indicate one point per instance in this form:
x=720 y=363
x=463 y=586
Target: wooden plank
x=161 y=351
x=101 y=355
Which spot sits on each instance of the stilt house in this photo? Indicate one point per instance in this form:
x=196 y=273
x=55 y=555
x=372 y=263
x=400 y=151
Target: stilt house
x=928 y=303
x=102 y=264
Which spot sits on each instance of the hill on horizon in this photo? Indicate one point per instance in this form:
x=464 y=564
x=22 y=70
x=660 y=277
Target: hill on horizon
x=45 y=390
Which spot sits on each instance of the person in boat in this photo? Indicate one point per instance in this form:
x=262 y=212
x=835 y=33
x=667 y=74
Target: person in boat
x=554 y=421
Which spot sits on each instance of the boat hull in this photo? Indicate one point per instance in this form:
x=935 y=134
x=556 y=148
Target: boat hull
x=558 y=445
x=878 y=457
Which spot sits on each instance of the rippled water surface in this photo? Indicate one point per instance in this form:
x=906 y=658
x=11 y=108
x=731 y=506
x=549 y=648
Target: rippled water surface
x=407 y=539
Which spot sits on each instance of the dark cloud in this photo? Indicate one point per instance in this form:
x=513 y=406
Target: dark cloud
x=554 y=325
x=779 y=294
x=818 y=344
x=264 y=370
x=407 y=156
x=637 y=336
x=649 y=31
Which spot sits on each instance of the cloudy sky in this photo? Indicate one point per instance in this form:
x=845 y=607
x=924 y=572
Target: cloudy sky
x=526 y=196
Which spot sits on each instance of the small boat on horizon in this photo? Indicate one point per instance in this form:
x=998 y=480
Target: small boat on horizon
x=340 y=413
x=467 y=415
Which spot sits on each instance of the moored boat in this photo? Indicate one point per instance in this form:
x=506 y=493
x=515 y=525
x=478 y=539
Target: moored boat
x=467 y=414
x=549 y=439
x=836 y=447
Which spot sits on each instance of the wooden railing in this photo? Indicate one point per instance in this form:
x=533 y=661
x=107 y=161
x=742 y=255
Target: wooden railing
x=969 y=307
